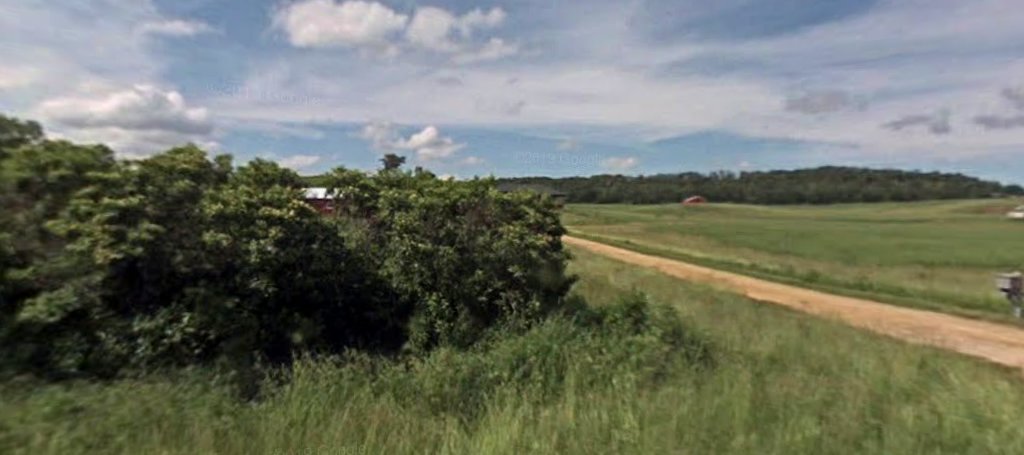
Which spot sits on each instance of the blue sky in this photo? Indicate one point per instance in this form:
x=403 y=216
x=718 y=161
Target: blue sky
x=531 y=87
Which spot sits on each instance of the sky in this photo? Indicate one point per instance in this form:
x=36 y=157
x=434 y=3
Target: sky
x=531 y=87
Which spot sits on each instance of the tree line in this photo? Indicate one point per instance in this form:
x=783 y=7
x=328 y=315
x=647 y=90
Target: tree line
x=110 y=266
x=823 y=185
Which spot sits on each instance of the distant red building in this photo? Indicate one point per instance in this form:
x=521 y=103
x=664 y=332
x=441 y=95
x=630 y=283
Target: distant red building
x=321 y=199
x=694 y=200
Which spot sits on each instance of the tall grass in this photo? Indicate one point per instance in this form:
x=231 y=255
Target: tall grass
x=718 y=374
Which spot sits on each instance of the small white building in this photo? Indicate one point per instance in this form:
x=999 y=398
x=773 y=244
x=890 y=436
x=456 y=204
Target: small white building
x=1016 y=214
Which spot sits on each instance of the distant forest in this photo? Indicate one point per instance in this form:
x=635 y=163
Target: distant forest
x=823 y=185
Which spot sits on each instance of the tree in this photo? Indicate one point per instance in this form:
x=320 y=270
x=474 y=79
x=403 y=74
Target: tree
x=15 y=133
x=824 y=185
x=392 y=161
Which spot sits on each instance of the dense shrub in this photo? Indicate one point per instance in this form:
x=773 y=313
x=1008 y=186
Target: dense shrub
x=181 y=260
x=467 y=256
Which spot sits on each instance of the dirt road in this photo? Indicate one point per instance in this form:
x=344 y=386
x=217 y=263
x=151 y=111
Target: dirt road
x=998 y=343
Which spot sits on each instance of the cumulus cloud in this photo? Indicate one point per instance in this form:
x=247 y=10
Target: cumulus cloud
x=143 y=107
x=141 y=119
x=326 y=23
x=370 y=25
x=936 y=123
x=299 y=162
x=176 y=28
x=381 y=135
x=431 y=28
x=819 y=102
x=439 y=30
x=619 y=163
x=428 y=143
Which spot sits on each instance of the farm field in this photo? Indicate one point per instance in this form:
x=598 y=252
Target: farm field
x=936 y=255
x=763 y=389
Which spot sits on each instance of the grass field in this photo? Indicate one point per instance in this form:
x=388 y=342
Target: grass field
x=938 y=255
x=771 y=381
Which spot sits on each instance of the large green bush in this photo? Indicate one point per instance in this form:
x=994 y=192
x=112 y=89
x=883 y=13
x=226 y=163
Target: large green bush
x=179 y=260
x=467 y=256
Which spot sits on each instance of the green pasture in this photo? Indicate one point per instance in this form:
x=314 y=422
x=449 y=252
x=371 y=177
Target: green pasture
x=939 y=255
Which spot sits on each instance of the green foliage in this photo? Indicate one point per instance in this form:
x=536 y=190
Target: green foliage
x=824 y=185
x=178 y=260
x=468 y=256
x=15 y=133
x=36 y=183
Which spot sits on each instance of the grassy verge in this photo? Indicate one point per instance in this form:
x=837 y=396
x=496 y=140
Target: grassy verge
x=718 y=374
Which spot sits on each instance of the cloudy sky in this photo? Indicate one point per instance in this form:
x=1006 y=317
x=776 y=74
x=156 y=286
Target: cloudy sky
x=531 y=87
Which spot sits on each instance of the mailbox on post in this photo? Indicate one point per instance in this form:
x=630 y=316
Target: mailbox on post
x=1012 y=285
x=1009 y=282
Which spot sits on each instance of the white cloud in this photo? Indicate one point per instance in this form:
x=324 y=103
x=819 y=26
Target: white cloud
x=431 y=29
x=373 y=26
x=590 y=71
x=53 y=48
x=326 y=23
x=494 y=49
x=428 y=143
x=143 y=107
x=299 y=162
x=16 y=77
x=477 y=19
x=139 y=120
x=176 y=28
x=382 y=135
x=438 y=30
x=134 y=143
x=619 y=163
x=568 y=144
x=471 y=161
